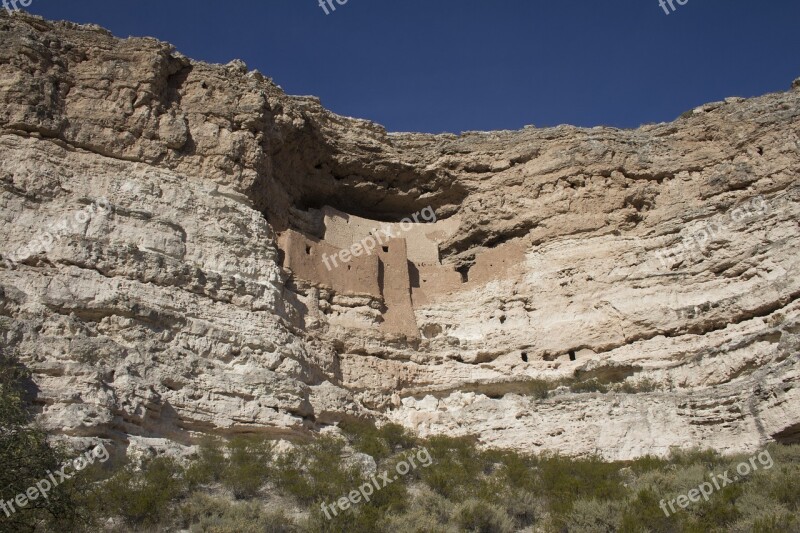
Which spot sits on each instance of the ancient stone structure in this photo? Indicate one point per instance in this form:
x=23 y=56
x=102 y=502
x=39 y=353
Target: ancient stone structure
x=199 y=302
x=396 y=263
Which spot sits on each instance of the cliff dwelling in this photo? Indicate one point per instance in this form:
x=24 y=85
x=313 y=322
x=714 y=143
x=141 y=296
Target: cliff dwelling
x=394 y=266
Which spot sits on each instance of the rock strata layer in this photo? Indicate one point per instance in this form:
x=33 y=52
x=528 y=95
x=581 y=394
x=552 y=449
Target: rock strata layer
x=165 y=220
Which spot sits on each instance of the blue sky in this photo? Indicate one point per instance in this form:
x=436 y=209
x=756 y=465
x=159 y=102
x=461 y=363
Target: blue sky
x=458 y=65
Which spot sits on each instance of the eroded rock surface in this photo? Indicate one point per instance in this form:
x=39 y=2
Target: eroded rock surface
x=172 y=297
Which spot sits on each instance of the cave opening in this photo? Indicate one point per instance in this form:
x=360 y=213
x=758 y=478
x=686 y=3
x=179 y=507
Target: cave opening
x=464 y=271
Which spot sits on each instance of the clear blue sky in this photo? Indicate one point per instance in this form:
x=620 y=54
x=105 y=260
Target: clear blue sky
x=457 y=65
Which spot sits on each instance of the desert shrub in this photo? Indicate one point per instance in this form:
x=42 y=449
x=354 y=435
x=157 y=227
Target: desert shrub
x=457 y=466
x=432 y=504
x=591 y=385
x=642 y=513
x=760 y=512
x=647 y=463
x=247 y=467
x=594 y=516
x=680 y=480
x=784 y=487
x=143 y=496
x=565 y=480
x=377 y=442
x=354 y=519
x=397 y=437
x=393 y=497
x=208 y=466
x=202 y=513
x=478 y=516
x=719 y=511
x=314 y=473
x=778 y=523
x=537 y=388
x=366 y=438
x=707 y=458
x=27 y=456
x=523 y=507
x=519 y=471
x=417 y=520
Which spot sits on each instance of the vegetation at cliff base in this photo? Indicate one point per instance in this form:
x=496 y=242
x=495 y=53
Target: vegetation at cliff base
x=250 y=484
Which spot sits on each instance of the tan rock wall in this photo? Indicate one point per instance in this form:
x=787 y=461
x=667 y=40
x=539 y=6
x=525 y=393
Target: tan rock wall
x=173 y=317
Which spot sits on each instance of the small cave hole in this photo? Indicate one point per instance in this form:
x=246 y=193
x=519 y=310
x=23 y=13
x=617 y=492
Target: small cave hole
x=385 y=249
x=524 y=356
x=464 y=271
x=308 y=250
x=204 y=85
x=760 y=151
x=572 y=355
x=502 y=319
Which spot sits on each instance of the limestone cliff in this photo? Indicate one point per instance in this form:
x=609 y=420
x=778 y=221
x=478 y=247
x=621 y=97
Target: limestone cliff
x=165 y=220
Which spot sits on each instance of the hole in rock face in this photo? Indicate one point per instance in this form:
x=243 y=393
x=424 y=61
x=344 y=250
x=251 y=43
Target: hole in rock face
x=308 y=250
x=502 y=319
x=385 y=249
x=524 y=356
x=464 y=271
x=431 y=330
x=572 y=355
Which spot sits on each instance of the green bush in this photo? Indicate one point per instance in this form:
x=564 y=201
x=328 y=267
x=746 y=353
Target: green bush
x=464 y=489
x=457 y=466
x=647 y=463
x=538 y=388
x=377 y=442
x=781 y=523
x=519 y=471
x=477 y=516
x=209 y=465
x=143 y=496
x=594 y=516
x=709 y=459
x=247 y=467
x=26 y=457
x=314 y=473
x=643 y=514
x=785 y=487
x=366 y=438
x=523 y=507
x=397 y=437
x=202 y=513
x=591 y=385
x=417 y=520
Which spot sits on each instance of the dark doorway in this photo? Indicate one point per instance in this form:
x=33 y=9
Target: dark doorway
x=464 y=271
x=572 y=355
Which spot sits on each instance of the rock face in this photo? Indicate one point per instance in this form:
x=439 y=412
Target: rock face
x=165 y=221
